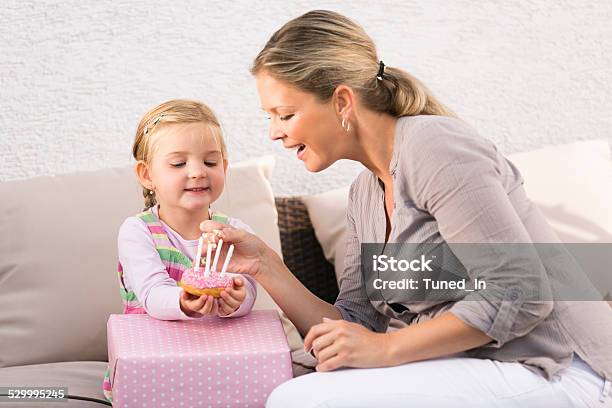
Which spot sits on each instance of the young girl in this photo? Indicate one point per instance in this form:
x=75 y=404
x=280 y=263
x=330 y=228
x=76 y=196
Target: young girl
x=181 y=164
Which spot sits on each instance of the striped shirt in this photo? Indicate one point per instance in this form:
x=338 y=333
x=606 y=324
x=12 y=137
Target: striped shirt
x=453 y=186
x=145 y=274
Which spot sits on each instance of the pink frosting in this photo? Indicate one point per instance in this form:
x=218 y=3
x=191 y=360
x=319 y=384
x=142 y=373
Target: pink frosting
x=197 y=279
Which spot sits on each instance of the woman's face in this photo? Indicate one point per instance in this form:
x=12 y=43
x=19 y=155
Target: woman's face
x=301 y=122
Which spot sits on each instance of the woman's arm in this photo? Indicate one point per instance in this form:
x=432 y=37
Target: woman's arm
x=253 y=257
x=300 y=305
x=338 y=343
x=443 y=335
x=476 y=198
x=460 y=180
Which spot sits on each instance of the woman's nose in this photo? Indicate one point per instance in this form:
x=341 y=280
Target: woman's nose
x=275 y=132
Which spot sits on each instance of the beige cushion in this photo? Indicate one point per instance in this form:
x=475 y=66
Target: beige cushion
x=82 y=378
x=327 y=212
x=58 y=256
x=571 y=183
x=572 y=186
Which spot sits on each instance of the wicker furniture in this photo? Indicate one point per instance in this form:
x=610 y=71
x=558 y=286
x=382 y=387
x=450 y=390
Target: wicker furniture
x=301 y=250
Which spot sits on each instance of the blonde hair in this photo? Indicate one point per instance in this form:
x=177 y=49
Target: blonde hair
x=322 y=49
x=172 y=112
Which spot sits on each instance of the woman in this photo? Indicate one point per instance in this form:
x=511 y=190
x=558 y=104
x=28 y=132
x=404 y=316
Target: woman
x=429 y=178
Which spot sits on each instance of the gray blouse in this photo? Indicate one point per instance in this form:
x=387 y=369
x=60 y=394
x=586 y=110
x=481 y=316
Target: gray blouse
x=453 y=186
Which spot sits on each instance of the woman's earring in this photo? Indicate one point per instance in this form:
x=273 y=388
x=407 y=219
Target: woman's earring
x=151 y=192
x=346 y=125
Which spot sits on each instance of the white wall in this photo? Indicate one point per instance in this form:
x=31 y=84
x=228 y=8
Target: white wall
x=75 y=77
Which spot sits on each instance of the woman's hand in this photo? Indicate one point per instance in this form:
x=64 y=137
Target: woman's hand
x=198 y=306
x=232 y=298
x=338 y=343
x=250 y=252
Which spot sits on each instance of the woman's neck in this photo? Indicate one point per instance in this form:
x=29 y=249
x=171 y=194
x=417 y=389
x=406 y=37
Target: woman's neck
x=185 y=223
x=375 y=139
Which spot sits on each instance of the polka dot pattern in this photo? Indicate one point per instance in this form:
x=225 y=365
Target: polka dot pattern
x=209 y=362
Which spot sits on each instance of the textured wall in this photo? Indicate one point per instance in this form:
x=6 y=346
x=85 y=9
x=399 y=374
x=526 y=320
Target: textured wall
x=75 y=76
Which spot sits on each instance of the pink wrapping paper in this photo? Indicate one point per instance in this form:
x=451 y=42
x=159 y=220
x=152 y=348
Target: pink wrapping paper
x=209 y=362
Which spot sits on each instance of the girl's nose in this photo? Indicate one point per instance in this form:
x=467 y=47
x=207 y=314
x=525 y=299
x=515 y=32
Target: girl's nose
x=197 y=170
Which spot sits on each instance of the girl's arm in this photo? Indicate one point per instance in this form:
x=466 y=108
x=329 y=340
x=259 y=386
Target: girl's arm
x=145 y=273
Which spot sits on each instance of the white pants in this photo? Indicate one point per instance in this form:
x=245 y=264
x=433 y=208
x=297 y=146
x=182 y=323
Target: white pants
x=448 y=382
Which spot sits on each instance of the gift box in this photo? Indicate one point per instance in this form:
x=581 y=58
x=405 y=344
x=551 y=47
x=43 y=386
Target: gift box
x=208 y=362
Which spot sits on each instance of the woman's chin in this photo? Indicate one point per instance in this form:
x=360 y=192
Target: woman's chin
x=316 y=166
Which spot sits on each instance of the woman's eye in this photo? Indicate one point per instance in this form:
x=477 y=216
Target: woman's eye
x=180 y=164
x=286 y=117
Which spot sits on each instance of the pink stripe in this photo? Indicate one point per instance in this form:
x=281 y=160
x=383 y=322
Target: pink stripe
x=107 y=385
x=156 y=229
x=133 y=310
x=175 y=272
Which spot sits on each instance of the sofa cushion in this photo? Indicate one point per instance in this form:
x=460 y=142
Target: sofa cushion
x=327 y=212
x=82 y=378
x=58 y=280
x=570 y=183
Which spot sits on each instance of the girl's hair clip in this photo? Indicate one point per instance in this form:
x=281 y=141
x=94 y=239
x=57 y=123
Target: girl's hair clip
x=153 y=123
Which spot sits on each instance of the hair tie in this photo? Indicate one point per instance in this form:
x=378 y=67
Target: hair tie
x=381 y=71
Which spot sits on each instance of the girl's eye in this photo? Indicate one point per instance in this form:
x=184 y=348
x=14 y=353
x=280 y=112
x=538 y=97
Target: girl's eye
x=210 y=164
x=180 y=164
x=286 y=117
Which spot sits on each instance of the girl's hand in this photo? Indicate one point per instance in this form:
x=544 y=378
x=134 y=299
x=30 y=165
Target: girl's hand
x=198 y=306
x=338 y=343
x=232 y=298
x=250 y=252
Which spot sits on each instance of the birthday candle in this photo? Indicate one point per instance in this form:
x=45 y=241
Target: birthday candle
x=208 y=254
x=217 y=253
x=230 y=252
x=196 y=267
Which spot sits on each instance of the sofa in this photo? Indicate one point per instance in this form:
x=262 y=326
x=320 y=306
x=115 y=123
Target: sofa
x=58 y=281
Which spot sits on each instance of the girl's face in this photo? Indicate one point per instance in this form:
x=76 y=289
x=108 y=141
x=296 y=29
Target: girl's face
x=302 y=123
x=187 y=170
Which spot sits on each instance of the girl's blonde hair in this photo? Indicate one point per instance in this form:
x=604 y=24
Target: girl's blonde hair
x=174 y=111
x=322 y=49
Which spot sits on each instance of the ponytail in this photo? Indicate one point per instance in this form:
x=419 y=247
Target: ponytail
x=322 y=49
